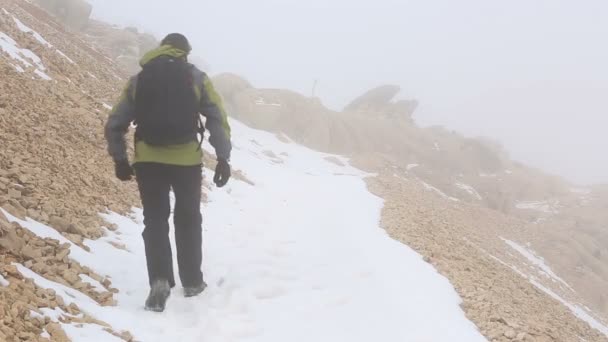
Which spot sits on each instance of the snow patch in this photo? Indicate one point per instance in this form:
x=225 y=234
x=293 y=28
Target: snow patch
x=436 y=147
x=439 y=192
x=3 y=281
x=42 y=75
x=106 y=106
x=548 y=207
x=487 y=175
x=65 y=56
x=536 y=261
x=18 y=68
x=411 y=166
x=470 y=190
x=260 y=101
x=576 y=310
x=23 y=28
x=9 y=46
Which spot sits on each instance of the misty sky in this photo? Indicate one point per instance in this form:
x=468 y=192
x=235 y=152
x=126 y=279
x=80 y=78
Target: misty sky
x=532 y=74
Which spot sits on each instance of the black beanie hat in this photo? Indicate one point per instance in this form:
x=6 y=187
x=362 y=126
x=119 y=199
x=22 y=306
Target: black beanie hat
x=178 y=41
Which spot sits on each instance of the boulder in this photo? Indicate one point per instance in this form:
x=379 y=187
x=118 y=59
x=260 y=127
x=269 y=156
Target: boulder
x=380 y=102
x=376 y=98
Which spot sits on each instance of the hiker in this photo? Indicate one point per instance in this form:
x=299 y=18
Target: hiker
x=165 y=101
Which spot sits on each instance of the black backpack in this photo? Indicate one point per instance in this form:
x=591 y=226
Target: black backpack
x=166 y=106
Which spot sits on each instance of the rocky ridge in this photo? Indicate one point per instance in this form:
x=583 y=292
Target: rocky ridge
x=54 y=91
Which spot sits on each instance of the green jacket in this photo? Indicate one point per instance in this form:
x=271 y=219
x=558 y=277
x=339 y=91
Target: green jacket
x=123 y=114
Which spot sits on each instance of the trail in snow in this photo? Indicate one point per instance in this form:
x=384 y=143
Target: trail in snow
x=297 y=257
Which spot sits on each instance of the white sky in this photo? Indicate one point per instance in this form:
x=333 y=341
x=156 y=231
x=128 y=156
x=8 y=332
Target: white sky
x=532 y=74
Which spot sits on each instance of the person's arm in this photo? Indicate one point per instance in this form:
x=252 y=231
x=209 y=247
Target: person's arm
x=217 y=119
x=121 y=117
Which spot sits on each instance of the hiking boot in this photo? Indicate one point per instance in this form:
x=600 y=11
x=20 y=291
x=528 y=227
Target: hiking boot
x=159 y=293
x=194 y=291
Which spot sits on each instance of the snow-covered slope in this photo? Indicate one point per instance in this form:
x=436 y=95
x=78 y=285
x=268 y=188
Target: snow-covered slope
x=298 y=256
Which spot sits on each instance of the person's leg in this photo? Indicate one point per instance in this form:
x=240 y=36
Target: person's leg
x=154 y=187
x=186 y=184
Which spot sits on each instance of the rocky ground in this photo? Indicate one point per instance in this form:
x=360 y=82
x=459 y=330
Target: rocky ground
x=463 y=243
x=53 y=168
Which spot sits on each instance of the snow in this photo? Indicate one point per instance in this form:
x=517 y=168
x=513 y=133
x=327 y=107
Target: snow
x=88 y=332
x=85 y=332
x=53 y=314
x=23 y=28
x=65 y=56
x=487 y=175
x=260 y=101
x=18 y=68
x=107 y=106
x=3 y=282
x=410 y=167
x=439 y=192
x=578 y=311
x=436 y=147
x=470 y=190
x=42 y=75
x=536 y=261
x=307 y=263
x=9 y=46
x=541 y=206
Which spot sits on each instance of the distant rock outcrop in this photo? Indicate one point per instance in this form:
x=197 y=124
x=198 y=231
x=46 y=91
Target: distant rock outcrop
x=73 y=13
x=229 y=85
x=126 y=46
x=380 y=101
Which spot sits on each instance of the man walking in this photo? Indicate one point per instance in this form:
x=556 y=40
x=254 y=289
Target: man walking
x=165 y=101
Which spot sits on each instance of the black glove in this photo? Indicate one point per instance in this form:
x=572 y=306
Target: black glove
x=222 y=173
x=124 y=171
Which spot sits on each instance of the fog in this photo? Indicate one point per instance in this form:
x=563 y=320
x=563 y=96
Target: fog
x=530 y=74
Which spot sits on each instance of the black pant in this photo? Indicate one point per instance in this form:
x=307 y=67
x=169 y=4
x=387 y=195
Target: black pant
x=155 y=181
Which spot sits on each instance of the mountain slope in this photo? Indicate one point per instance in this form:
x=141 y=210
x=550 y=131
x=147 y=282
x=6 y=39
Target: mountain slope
x=294 y=244
x=298 y=256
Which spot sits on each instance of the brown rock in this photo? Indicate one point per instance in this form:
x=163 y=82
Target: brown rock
x=57 y=334
x=10 y=241
x=31 y=253
x=13 y=193
x=70 y=276
x=510 y=334
x=59 y=223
